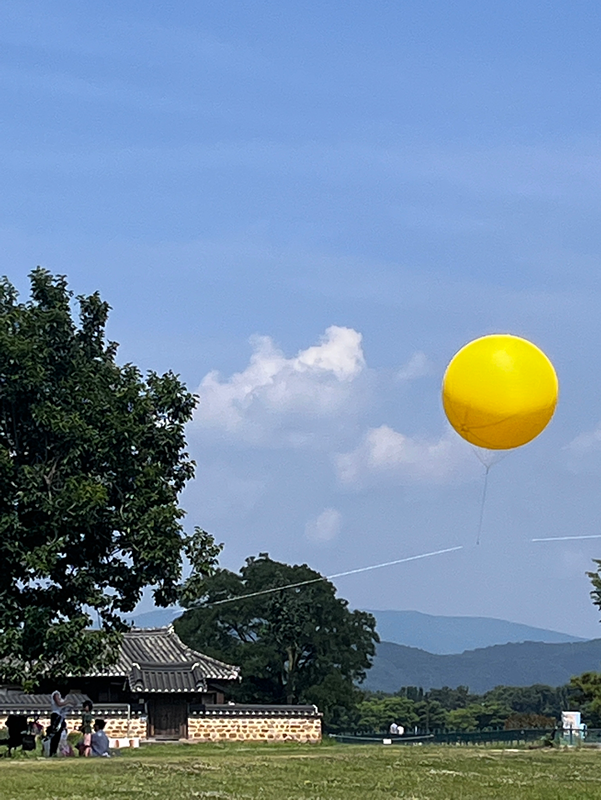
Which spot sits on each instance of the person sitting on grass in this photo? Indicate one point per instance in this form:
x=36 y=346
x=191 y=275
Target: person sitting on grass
x=64 y=745
x=100 y=741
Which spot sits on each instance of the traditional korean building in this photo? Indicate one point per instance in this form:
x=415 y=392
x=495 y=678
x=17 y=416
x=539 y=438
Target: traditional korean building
x=160 y=689
x=161 y=679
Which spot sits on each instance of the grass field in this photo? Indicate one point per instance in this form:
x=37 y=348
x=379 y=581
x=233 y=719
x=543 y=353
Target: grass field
x=305 y=772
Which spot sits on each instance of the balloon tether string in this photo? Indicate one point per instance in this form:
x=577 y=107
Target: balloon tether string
x=486 y=471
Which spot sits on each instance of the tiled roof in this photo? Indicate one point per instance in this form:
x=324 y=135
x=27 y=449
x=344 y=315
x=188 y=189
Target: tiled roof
x=161 y=678
x=17 y=702
x=156 y=660
x=243 y=710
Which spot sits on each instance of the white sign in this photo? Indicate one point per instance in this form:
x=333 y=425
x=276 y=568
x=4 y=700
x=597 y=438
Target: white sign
x=571 y=720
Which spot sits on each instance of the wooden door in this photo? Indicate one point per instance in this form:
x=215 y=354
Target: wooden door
x=168 y=717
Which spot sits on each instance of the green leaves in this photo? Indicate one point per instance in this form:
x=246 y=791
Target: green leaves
x=290 y=644
x=586 y=694
x=377 y=713
x=92 y=459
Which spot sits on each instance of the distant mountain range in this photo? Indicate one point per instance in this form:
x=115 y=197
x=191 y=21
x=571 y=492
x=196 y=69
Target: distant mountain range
x=521 y=664
x=481 y=653
x=443 y=635
x=435 y=634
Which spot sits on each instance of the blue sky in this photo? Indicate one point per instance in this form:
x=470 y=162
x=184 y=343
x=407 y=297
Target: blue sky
x=305 y=210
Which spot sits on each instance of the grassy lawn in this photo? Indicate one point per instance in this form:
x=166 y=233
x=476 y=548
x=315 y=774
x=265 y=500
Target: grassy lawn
x=305 y=772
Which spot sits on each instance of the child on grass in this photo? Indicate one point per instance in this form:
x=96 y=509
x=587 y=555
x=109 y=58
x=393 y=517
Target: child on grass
x=86 y=728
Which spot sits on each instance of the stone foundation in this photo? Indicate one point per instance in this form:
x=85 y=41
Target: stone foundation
x=213 y=727
x=254 y=729
x=122 y=729
x=116 y=727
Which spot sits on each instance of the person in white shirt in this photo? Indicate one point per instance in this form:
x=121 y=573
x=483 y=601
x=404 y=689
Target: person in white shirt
x=394 y=729
x=59 y=706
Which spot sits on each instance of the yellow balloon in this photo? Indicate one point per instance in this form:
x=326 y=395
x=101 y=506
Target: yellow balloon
x=499 y=391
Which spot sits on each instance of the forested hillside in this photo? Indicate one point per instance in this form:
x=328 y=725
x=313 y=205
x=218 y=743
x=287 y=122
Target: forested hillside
x=521 y=664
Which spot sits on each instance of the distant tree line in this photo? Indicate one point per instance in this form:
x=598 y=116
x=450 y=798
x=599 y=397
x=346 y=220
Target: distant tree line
x=508 y=707
x=537 y=706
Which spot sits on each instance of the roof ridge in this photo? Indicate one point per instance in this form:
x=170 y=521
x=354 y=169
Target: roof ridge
x=162 y=650
x=164 y=629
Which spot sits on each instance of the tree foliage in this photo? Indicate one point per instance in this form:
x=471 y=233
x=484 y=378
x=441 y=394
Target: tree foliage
x=451 y=699
x=456 y=709
x=586 y=689
x=538 y=699
x=378 y=713
x=527 y=720
x=92 y=459
x=297 y=645
x=595 y=578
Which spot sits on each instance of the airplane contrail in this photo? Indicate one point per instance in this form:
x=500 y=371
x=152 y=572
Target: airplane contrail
x=330 y=577
x=567 y=538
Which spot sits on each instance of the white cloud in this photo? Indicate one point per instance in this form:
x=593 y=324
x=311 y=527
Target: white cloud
x=279 y=399
x=584 y=450
x=317 y=399
x=386 y=453
x=418 y=366
x=585 y=443
x=325 y=527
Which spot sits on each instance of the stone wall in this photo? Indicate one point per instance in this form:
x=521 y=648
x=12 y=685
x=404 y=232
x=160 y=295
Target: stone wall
x=116 y=727
x=213 y=728
x=119 y=728
x=254 y=729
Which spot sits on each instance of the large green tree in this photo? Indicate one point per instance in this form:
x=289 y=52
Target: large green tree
x=92 y=459
x=297 y=645
x=586 y=688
